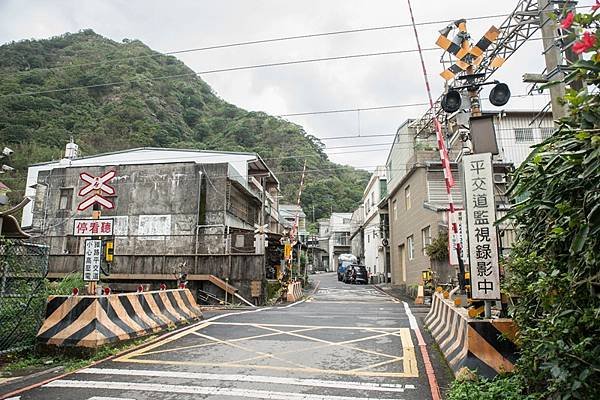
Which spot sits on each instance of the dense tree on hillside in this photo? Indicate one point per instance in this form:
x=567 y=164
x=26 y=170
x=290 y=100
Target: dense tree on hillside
x=141 y=110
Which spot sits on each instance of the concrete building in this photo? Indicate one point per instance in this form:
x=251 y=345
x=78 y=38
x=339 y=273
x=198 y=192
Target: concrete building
x=334 y=238
x=340 y=225
x=375 y=192
x=175 y=211
x=287 y=217
x=417 y=202
x=357 y=244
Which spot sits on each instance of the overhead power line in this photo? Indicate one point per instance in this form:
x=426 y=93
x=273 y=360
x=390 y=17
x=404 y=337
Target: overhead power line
x=258 y=41
x=212 y=71
x=391 y=106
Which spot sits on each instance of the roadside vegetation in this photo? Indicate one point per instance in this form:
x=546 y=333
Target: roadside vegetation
x=554 y=270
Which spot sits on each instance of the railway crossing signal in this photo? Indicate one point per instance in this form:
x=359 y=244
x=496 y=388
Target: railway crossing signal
x=98 y=184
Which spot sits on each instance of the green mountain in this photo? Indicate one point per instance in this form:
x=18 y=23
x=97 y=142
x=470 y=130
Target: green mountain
x=147 y=106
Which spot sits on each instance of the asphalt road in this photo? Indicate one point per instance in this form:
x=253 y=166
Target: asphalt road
x=343 y=342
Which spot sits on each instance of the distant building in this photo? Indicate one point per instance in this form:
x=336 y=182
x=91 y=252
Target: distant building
x=337 y=231
x=174 y=209
x=375 y=192
x=357 y=245
x=287 y=217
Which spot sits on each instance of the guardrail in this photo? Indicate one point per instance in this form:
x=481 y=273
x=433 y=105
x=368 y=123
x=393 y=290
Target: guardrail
x=485 y=345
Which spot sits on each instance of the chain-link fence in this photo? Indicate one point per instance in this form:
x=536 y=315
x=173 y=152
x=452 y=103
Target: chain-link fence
x=23 y=270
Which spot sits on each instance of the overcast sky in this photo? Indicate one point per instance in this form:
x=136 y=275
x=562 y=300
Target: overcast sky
x=355 y=83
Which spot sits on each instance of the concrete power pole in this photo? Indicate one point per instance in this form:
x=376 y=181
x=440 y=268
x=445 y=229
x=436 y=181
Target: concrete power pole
x=553 y=57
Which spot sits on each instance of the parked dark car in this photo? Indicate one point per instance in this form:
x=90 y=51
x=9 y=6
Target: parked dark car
x=356 y=274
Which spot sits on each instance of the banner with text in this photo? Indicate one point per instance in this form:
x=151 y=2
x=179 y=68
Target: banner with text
x=481 y=215
x=91 y=266
x=458 y=217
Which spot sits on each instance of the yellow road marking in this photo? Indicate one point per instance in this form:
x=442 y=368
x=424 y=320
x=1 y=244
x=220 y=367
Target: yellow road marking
x=246 y=349
x=342 y=344
x=193 y=346
x=408 y=350
x=305 y=326
x=409 y=359
x=141 y=351
x=277 y=368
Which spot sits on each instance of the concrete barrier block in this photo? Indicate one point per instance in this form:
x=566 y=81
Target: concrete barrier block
x=92 y=321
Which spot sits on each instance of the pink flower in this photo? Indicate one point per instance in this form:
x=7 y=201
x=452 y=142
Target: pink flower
x=568 y=21
x=587 y=42
x=596 y=6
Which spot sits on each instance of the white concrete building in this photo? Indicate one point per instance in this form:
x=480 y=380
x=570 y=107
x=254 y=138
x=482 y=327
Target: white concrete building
x=376 y=190
x=334 y=235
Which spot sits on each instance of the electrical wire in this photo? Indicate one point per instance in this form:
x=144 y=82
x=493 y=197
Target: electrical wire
x=213 y=71
x=391 y=106
x=278 y=172
x=254 y=42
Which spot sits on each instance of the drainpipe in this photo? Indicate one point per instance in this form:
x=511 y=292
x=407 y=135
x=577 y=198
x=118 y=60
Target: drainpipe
x=197 y=221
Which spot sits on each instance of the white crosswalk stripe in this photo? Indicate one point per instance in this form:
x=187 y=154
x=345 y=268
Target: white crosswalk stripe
x=383 y=387
x=193 y=389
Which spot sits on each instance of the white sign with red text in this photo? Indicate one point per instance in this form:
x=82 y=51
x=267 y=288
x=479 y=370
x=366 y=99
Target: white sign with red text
x=93 y=227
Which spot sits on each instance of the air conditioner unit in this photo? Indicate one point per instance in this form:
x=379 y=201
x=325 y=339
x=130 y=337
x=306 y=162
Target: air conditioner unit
x=499 y=178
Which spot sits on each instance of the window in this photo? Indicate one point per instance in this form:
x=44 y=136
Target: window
x=426 y=236
x=411 y=247
x=395 y=210
x=368 y=238
x=523 y=135
x=373 y=198
x=407 y=197
x=66 y=199
x=546 y=132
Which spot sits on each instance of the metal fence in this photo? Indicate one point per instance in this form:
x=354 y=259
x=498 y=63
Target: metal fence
x=23 y=270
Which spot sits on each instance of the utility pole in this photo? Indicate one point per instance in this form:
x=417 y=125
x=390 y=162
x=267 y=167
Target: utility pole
x=553 y=58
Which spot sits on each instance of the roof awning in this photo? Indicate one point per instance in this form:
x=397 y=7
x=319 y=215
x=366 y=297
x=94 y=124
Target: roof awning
x=9 y=226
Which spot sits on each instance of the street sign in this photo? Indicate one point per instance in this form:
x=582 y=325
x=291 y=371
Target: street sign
x=91 y=263
x=287 y=251
x=93 y=227
x=481 y=215
x=458 y=217
x=99 y=185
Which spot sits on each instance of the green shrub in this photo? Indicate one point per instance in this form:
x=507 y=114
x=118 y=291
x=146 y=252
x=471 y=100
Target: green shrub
x=505 y=387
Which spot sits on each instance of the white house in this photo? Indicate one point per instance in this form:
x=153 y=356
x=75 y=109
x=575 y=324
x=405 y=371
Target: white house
x=376 y=190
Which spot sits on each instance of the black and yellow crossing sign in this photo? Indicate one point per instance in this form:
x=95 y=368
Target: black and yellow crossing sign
x=466 y=53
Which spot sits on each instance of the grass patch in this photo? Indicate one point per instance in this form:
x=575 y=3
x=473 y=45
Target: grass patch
x=506 y=387
x=32 y=361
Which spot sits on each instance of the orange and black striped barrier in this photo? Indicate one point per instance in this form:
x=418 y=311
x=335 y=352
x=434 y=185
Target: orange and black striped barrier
x=294 y=291
x=92 y=321
x=485 y=345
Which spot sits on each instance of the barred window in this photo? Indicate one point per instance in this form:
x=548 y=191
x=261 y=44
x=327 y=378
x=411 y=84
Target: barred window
x=523 y=135
x=546 y=132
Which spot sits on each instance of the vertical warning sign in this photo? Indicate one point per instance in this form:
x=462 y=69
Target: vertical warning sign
x=91 y=266
x=481 y=215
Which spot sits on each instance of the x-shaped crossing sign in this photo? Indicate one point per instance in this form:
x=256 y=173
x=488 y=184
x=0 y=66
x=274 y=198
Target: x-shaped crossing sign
x=98 y=184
